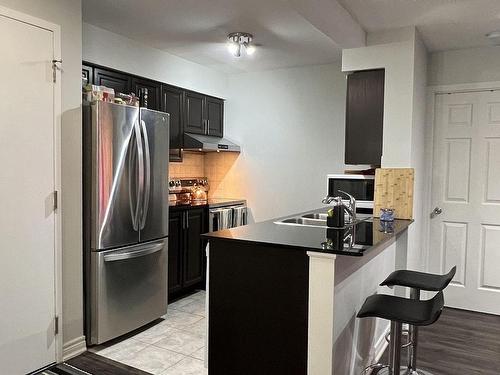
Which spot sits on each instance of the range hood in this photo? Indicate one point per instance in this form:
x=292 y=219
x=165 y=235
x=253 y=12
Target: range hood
x=207 y=143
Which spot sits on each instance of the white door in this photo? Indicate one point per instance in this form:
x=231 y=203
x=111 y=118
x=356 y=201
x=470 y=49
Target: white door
x=27 y=222
x=466 y=187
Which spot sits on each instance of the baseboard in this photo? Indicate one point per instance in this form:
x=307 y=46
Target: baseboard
x=74 y=347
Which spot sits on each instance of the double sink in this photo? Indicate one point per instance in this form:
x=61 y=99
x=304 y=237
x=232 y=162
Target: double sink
x=318 y=219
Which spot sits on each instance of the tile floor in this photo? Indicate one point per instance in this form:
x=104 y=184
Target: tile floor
x=173 y=346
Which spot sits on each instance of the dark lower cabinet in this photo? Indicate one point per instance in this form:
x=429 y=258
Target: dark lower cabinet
x=364 y=117
x=186 y=260
x=176 y=233
x=139 y=87
x=194 y=254
x=172 y=103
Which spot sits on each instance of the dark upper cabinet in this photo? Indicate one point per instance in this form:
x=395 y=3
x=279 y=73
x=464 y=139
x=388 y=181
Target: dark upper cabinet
x=186 y=248
x=153 y=88
x=172 y=103
x=364 y=117
x=175 y=242
x=195 y=121
x=87 y=75
x=118 y=81
x=194 y=254
x=215 y=116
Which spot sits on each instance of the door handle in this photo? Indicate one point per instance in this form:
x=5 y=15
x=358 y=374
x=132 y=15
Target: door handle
x=436 y=211
x=122 y=255
x=147 y=175
x=140 y=184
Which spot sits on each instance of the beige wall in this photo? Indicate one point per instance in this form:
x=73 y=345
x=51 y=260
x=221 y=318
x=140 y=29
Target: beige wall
x=67 y=14
x=469 y=65
x=290 y=126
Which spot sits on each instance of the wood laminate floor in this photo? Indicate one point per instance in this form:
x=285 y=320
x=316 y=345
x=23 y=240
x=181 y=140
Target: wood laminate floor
x=460 y=342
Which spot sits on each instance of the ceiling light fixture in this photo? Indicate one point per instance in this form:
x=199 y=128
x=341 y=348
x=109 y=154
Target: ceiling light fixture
x=238 y=42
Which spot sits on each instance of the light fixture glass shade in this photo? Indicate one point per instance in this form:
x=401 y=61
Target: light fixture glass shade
x=250 y=50
x=233 y=48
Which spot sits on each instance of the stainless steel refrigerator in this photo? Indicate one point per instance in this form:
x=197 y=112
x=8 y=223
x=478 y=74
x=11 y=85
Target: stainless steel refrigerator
x=125 y=190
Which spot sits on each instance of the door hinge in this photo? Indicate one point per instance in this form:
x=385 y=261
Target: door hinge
x=56 y=325
x=55 y=200
x=55 y=68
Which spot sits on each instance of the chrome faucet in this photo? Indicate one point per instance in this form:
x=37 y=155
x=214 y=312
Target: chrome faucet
x=350 y=207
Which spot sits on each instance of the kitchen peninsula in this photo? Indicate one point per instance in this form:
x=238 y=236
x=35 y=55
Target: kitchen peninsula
x=283 y=295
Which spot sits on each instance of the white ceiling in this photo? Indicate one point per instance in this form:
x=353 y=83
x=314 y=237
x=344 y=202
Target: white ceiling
x=197 y=30
x=443 y=24
x=289 y=32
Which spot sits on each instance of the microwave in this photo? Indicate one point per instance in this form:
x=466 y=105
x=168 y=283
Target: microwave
x=361 y=187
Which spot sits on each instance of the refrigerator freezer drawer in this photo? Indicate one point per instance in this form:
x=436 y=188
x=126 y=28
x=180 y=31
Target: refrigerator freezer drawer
x=128 y=289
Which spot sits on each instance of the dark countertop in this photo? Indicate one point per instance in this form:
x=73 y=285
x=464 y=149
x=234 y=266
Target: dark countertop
x=367 y=235
x=210 y=203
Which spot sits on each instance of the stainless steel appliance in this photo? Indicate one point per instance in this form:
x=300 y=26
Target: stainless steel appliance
x=187 y=190
x=227 y=217
x=125 y=218
x=361 y=187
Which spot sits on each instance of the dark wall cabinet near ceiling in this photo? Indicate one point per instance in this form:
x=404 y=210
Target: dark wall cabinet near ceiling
x=153 y=89
x=364 y=117
x=173 y=103
x=189 y=111
x=204 y=115
x=117 y=81
x=186 y=250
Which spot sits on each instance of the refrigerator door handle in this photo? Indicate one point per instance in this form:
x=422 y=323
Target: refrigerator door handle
x=140 y=167
x=131 y=162
x=123 y=255
x=147 y=176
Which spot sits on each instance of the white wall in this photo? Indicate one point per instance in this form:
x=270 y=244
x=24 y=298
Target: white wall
x=67 y=14
x=416 y=255
x=464 y=66
x=405 y=64
x=290 y=125
x=115 y=51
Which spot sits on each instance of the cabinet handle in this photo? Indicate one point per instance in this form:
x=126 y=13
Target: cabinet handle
x=208 y=127
x=187 y=219
x=184 y=220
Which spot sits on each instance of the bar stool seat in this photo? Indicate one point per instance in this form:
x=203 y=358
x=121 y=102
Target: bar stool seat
x=403 y=310
x=419 y=280
x=400 y=311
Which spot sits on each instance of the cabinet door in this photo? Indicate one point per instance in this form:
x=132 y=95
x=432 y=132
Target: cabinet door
x=117 y=81
x=215 y=116
x=154 y=91
x=175 y=243
x=364 y=117
x=87 y=75
x=195 y=111
x=172 y=98
x=194 y=251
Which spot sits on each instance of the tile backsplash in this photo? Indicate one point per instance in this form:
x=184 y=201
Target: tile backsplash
x=219 y=167
x=192 y=165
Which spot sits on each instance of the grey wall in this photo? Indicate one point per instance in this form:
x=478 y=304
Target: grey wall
x=290 y=125
x=67 y=14
x=464 y=66
x=106 y=48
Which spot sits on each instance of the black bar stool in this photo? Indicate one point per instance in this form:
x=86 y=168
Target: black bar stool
x=400 y=311
x=417 y=281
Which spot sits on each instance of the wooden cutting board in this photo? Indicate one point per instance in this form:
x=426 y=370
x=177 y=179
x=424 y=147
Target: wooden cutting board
x=394 y=189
